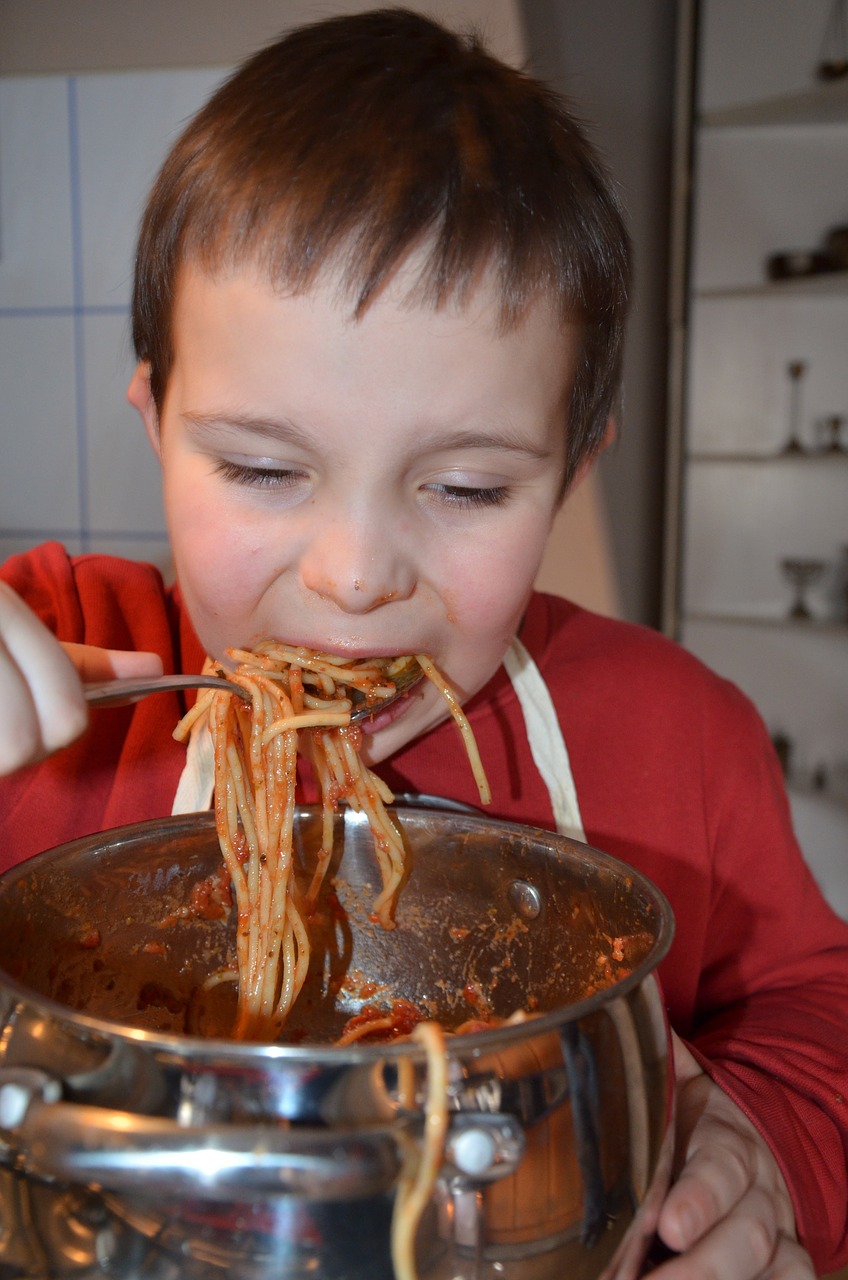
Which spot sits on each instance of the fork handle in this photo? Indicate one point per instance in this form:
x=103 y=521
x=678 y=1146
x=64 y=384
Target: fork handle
x=105 y=693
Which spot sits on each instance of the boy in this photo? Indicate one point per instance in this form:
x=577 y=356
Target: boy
x=380 y=295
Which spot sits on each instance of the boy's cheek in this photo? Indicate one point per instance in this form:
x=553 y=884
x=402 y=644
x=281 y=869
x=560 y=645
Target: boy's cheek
x=500 y=573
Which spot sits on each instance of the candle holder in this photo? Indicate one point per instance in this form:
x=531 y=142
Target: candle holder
x=796 y=370
x=833 y=426
x=803 y=574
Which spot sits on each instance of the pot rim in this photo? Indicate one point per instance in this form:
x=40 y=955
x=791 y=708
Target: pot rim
x=173 y=1046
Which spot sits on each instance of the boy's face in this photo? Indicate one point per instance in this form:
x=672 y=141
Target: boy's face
x=370 y=487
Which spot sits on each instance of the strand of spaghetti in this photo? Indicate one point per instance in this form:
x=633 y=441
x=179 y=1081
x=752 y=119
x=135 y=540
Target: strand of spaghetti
x=303 y=721
x=230 y=789
x=296 y=941
x=388 y=844
x=229 y=782
x=289 y=945
x=365 y=1029
x=364 y=782
x=318 y=757
x=383 y=791
x=461 y=719
x=326 y=664
x=421 y=1167
x=228 y=727
x=266 y=758
x=253 y=810
x=372 y=795
x=195 y=713
x=277 y=912
x=224 y=974
x=331 y=705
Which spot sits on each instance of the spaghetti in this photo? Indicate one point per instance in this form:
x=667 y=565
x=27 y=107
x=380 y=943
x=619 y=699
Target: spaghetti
x=421 y=1161
x=299 y=704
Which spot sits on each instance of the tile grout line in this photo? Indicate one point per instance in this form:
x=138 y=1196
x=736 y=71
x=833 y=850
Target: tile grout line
x=23 y=312
x=78 y=328
x=109 y=535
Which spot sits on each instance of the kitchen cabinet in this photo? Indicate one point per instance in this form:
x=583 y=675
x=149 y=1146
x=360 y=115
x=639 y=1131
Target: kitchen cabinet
x=756 y=567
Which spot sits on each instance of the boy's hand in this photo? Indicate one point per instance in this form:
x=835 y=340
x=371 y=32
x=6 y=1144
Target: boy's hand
x=728 y=1212
x=42 y=707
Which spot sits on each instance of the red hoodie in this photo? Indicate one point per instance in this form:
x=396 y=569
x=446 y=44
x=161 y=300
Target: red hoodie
x=674 y=773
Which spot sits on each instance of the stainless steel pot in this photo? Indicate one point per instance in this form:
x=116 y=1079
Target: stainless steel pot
x=133 y=1149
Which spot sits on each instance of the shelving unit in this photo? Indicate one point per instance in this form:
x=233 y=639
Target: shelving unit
x=822 y=104
x=754 y=178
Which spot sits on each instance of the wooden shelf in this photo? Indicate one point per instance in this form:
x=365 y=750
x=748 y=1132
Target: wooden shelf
x=823 y=285
x=828 y=625
x=824 y=104
x=807 y=458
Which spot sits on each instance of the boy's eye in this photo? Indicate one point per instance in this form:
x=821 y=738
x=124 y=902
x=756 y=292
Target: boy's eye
x=460 y=495
x=257 y=477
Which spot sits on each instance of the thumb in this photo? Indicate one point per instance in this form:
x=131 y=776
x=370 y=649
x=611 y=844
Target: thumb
x=686 y=1065
x=94 y=664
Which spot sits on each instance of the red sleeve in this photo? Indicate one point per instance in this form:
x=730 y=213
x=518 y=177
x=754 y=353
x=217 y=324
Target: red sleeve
x=772 y=1026
x=98 y=600
x=126 y=766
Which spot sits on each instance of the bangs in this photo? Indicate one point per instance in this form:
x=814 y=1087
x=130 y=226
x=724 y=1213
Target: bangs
x=351 y=145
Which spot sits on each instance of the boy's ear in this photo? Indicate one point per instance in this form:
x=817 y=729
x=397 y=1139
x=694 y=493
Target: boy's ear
x=141 y=398
x=609 y=437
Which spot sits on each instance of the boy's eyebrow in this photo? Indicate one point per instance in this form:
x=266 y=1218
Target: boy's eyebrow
x=503 y=441
x=273 y=428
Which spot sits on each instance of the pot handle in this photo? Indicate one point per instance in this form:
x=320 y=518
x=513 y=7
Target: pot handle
x=120 y=1151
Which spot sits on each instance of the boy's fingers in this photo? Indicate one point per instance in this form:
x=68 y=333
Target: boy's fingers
x=729 y=1200
x=93 y=664
x=715 y=1178
x=40 y=694
x=746 y=1245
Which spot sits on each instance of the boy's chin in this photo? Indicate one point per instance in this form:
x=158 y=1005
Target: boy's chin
x=385 y=735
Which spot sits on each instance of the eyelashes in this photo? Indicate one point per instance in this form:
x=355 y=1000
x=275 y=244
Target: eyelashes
x=466 y=497
x=455 y=496
x=256 y=477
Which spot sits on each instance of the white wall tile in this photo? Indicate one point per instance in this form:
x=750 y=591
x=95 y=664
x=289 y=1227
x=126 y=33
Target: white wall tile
x=155 y=551
x=123 y=475
x=14 y=545
x=39 y=474
x=127 y=122
x=35 y=193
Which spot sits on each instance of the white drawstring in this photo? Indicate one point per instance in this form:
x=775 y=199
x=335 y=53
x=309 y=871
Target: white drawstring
x=546 y=741
x=197 y=781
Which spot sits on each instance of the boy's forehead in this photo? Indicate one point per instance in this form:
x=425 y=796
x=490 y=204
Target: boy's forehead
x=479 y=305
x=243 y=347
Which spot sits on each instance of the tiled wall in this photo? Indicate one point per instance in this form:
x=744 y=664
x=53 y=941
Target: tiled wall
x=77 y=156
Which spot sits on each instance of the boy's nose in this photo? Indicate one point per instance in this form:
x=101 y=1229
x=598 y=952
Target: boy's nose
x=358 y=571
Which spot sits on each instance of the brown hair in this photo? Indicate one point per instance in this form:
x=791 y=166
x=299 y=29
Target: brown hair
x=352 y=141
